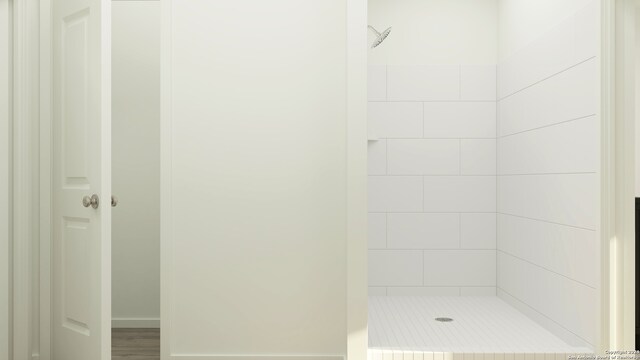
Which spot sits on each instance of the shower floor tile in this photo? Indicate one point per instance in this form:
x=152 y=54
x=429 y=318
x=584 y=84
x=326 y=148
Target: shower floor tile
x=480 y=325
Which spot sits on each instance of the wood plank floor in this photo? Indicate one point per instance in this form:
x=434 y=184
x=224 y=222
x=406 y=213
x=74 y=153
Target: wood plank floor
x=135 y=344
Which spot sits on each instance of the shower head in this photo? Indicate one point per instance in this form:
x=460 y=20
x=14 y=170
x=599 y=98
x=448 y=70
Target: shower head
x=380 y=36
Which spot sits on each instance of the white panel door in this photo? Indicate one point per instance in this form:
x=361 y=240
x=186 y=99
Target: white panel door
x=81 y=309
x=254 y=177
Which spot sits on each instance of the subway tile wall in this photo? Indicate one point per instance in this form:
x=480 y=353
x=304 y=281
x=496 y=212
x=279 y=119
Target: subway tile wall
x=432 y=180
x=485 y=180
x=548 y=179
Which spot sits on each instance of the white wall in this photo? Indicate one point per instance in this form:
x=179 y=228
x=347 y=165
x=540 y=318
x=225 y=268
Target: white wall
x=435 y=31
x=522 y=22
x=254 y=182
x=135 y=163
x=432 y=167
x=548 y=164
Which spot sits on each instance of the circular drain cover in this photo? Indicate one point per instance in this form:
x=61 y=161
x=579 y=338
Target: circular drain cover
x=444 y=319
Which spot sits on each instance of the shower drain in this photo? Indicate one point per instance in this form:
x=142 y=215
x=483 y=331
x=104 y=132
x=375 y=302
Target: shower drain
x=444 y=319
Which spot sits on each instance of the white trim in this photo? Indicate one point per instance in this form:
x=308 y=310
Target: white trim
x=630 y=243
x=624 y=290
x=607 y=181
x=617 y=285
x=357 y=283
x=26 y=89
x=6 y=55
x=133 y=323
x=45 y=180
x=256 y=357
x=166 y=205
x=105 y=181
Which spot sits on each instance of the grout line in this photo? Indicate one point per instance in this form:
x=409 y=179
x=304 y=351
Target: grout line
x=386 y=230
x=547 y=78
x=548 y=173
x=423 y=267
x=497 y=170
x=386 y=157
x=546 y=126
x=460 y=157
x=423 y=194
x=423 y=121
x=460 y=231
x=546 y=221
x=546 y=269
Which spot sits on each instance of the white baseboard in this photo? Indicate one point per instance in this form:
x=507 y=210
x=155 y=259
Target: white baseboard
x=256 y=357
x=141 y=323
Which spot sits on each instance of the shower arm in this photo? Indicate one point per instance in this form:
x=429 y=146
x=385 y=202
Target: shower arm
x=374 y=30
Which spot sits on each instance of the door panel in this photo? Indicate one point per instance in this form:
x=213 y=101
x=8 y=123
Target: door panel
x=75 y=92
x=75 y=278
x=81 y=167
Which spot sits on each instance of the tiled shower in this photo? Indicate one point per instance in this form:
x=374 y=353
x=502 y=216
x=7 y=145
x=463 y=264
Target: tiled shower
x=432 y=184
x=483 y=176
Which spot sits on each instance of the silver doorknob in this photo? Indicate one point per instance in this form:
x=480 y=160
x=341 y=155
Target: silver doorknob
x=114 y=201
x=92 y=201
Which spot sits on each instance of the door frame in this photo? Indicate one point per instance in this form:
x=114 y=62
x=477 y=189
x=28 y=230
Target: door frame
x=6 y=55
x=25 y=120
x=27 y=186
x=617 y=300
x=45 y=177
x=357 y=180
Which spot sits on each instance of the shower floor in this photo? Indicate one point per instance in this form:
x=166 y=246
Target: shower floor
x=480 y=325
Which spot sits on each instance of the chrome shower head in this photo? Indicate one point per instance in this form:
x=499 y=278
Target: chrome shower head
x=380 y=36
